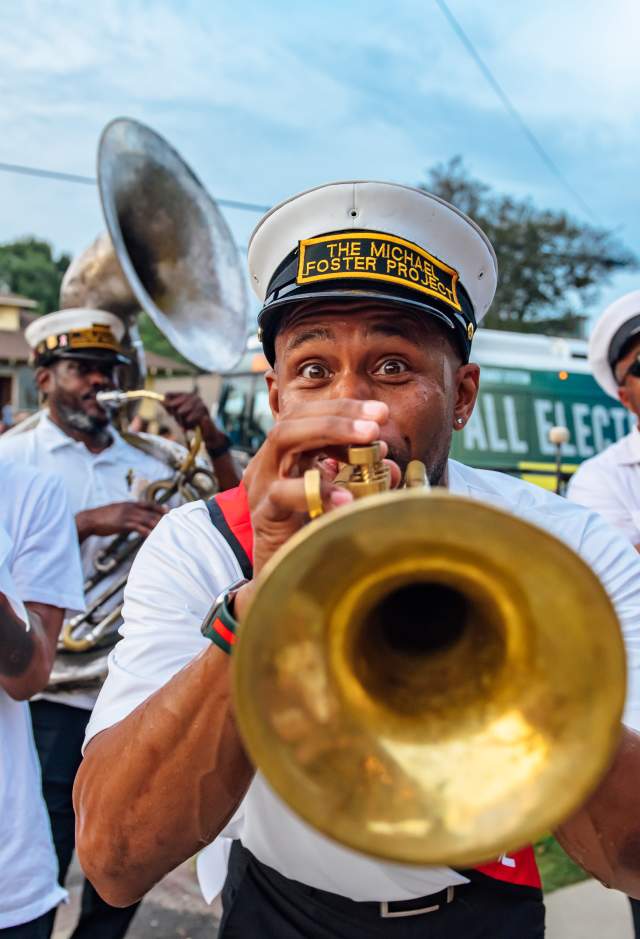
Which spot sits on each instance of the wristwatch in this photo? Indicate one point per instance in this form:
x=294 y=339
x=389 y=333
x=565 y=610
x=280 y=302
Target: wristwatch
x=221 y=449
x=220 y=625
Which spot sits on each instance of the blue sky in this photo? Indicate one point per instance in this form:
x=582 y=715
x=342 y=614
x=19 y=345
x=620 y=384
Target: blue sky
x=266 y=99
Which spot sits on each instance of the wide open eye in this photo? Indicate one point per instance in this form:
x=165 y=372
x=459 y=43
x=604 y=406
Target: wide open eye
x=314 y=371
x=391 y=367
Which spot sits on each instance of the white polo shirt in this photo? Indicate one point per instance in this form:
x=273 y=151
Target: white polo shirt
x=39 y=562
x=185 y=563
x=117 y=474
x=609 y=483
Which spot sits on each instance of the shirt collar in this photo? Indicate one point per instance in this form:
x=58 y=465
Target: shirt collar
x=456 y=483
x=628 y=452
x=54 y=438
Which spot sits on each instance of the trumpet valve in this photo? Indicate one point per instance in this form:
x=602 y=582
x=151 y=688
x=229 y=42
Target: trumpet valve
x=369 y=473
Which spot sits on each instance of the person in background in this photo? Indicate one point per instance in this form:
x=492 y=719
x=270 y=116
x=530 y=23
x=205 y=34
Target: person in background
x=76 y=354
x=609 y=483
x=40 y=576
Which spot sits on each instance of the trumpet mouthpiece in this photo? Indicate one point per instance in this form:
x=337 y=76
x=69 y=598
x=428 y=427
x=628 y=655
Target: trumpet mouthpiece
x=111 y=397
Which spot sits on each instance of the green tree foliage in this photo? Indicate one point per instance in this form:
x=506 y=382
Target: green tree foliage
x=28 y=267
x=551 y=267
x=154 y=341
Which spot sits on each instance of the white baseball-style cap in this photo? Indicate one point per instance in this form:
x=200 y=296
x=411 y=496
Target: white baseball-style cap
x=358 y=240
x=76 y=333
x=619 y=323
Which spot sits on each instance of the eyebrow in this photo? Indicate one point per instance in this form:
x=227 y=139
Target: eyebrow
x=402 y=326
x=316 y=332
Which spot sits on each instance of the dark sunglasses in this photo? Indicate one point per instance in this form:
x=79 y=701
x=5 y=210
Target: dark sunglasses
x=87 y=366
x=634 y=370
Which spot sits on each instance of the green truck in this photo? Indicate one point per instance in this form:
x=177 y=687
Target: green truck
x=529 y=384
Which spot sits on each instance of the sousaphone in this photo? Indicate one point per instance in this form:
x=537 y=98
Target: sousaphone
x=168 y=251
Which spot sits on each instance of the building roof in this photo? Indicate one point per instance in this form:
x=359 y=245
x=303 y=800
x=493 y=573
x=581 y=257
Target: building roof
x=14 y=299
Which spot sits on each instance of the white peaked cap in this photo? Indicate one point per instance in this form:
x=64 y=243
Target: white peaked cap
x=617 y=324
x=418 y=216
x=77 y=333
x=64 y=321
x=423 y=220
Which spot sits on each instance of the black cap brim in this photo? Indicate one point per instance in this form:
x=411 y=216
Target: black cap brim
x=104 y=356
x=271 y=315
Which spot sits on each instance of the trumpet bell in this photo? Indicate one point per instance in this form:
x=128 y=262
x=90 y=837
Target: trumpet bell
x=173 y=245
x=429 y=680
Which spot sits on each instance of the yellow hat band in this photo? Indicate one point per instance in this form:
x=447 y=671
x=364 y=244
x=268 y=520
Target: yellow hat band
x=380 y=257
x=96 y=336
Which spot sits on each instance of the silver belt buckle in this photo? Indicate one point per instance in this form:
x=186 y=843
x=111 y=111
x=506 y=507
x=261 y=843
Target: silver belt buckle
x=385 y=914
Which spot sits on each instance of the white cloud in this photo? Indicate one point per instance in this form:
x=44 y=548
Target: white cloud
x=264 y=99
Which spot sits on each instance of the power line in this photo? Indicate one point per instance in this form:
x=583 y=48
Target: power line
x=46 y=174
x=510 y=108
x=91 y=181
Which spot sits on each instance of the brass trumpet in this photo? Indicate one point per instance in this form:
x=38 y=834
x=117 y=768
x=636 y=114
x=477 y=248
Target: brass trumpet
x=428 y=679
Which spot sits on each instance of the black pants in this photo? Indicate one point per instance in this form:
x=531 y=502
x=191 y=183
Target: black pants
x=259 y=903
x=635 y=912
x=39 y=928
x=59 y=732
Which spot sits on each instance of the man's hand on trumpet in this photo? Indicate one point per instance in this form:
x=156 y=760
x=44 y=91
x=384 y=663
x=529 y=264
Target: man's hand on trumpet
x=310 y=436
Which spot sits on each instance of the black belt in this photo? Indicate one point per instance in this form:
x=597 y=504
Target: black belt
x=420 y=906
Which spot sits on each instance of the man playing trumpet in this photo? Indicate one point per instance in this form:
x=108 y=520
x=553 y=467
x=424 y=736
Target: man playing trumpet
x=371 y=296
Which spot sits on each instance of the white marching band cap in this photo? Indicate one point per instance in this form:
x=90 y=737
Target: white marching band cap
x=76 y=333
x=618 y=325
x=372 y=240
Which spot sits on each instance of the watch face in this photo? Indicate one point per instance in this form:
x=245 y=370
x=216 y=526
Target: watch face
x=221 y=611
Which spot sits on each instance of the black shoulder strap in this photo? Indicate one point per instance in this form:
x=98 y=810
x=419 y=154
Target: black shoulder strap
x=219 y=521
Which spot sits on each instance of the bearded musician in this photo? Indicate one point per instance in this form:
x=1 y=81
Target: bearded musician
x=76 y=354
x=371 y=296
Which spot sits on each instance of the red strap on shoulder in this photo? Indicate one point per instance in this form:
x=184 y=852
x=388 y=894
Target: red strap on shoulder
x=234 y=505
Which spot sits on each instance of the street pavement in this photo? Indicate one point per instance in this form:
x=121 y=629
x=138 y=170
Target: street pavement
x=174 y=909
x=588 y=911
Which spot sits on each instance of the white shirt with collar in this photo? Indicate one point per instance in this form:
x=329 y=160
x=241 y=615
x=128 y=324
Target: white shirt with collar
x=185 y=563
x=609 y=483
x=116 y=474
x=39 y=562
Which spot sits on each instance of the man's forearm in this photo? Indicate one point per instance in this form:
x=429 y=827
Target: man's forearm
x=162 y=783
x=604 y=836
x=227 y=473
x=17 y=644
x=84 y=524
x=26 y=654
x=224 y=466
